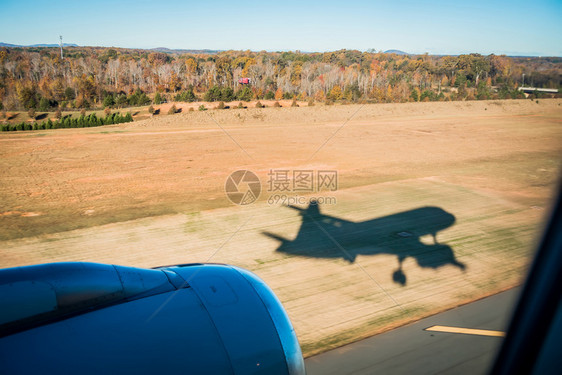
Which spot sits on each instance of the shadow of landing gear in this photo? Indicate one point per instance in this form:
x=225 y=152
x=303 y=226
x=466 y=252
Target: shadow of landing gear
x=325 y=236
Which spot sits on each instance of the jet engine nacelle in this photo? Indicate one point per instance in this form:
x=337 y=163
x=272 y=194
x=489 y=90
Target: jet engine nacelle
x=98 y=318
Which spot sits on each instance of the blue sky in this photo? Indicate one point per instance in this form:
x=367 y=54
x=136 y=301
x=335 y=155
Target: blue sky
x=437 y=27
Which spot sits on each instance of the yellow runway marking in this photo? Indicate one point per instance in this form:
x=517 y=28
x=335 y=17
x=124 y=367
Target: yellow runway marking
x=466 y=331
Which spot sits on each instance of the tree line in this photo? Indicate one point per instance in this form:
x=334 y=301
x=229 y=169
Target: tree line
x=91 y=77
x=83 y=121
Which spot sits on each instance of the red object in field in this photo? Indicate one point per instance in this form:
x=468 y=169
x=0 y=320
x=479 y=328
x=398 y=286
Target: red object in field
x=244 y=81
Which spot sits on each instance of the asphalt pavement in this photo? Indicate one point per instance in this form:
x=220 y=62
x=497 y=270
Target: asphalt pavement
x=412 y=349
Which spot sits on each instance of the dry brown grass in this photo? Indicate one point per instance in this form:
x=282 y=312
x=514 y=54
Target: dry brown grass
x=150 y=193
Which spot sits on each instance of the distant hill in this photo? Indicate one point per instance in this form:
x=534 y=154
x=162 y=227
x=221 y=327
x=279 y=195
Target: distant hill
x=54 y=45
x=158 y=49
x=37 y=45
x=180 y=51
x=396 y=51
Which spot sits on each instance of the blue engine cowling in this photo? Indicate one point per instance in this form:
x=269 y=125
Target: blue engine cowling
x=98 y=318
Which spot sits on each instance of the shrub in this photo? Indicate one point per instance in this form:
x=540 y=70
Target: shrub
x=294 y=103
x=69 y=93
x=221 y=105
x=31 y=113
x=138 y=98
x=28 y=97
x=244 y=94
x=157 y=98
x=240 y=105
x=202 y=108
x=190 y=94
x=191 y=109
x=44 y=105
x=186 y=96
x=259 y=105
x=269 y=95
x=83 y=112
x=82 y=103
x=121 y=100
x=108 y=100
x=172 y=110
x=311 y=103
x=151 y=109
x=213 y=94
x=414 y=95
x=107 y=111
x=276 y=105
x=58 y=114
x=226 y=94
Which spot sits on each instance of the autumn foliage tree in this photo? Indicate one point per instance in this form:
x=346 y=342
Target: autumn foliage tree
x=335 y=93
x=107 y=77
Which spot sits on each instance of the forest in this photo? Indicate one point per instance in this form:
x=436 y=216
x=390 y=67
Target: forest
x=94 y=77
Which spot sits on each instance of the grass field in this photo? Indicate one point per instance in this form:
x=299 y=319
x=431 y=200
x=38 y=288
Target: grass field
x=477 y=175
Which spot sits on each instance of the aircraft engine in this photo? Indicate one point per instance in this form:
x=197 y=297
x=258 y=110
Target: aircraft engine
x=98 y=318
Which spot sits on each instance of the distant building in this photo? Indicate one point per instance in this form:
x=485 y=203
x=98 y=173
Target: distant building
x=530 y=90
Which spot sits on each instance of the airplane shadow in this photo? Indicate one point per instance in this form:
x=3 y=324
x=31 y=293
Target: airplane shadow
x=325 y=236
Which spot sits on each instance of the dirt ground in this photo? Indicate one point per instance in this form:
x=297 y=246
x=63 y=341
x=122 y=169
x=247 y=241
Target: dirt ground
x=477 y=175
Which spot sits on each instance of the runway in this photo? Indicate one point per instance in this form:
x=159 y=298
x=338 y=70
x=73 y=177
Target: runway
x=463 y=340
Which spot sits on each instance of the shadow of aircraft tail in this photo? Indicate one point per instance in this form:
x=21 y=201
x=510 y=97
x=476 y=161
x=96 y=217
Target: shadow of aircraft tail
x=325 y=236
